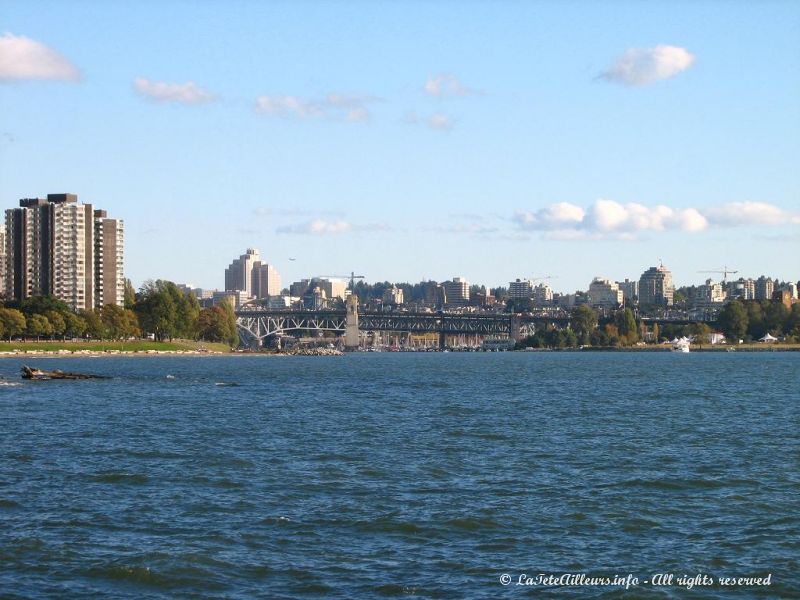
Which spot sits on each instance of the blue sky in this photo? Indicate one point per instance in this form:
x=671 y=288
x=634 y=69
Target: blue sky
x=415 y=140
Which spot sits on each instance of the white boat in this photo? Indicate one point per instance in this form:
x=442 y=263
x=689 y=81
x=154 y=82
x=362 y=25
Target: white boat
x=681 y=345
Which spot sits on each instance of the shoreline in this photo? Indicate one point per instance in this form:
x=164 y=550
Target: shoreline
x=64 y=353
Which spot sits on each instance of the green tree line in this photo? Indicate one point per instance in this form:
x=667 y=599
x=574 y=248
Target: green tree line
x=159 y=308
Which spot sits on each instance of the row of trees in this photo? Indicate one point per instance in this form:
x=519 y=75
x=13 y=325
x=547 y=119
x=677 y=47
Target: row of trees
x=160 y=308
x=738 y=320
x=752 y=319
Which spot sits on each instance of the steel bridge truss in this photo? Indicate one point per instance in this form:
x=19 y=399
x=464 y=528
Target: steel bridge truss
x=256 y=325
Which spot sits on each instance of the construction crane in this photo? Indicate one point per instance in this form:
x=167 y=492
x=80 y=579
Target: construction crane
x=725 y=272
x=352 y=277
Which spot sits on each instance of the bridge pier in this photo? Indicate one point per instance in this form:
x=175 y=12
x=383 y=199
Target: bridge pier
x=351 y=340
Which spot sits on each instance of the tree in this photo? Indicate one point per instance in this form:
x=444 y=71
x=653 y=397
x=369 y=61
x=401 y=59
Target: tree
x=74 y=325
x=218 y=324
x=775 y=317
x=584 y=320
x=13 y=321
x=167 y=312
x=118 y=322
x=94 y=327
x=756 y=327
x=129 y=295
x=732 y=320
x=626 y=324
x=57 y=322
x=655 y=332
x=701 y=333
x=38 y=325
x=42 y=304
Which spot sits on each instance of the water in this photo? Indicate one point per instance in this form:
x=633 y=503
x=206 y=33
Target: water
x=380 y=475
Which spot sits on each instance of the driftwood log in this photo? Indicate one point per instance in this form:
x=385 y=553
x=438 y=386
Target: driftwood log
x=29 y=373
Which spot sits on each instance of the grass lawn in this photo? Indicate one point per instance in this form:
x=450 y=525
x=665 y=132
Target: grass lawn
x=95 y=346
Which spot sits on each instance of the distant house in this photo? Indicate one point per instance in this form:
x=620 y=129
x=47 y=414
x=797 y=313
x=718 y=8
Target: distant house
x=716 y=337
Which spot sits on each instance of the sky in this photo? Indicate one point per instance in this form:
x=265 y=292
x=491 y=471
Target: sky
x=415 y=140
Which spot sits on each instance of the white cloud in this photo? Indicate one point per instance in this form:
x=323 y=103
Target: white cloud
x=608 y=219
x=179 y=93
x=332 y=227
x=750 y=213
x=444 y=86
x=317 y=227
x=436 y=121
x=643 y=66
x=352 y=108
x=22 y=58
x=562 y=215
x=287 y=106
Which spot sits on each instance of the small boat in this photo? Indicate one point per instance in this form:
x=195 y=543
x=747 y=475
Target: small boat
x=39 y=375
x=681 y=345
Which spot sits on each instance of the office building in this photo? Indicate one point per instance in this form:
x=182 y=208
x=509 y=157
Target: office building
x=655 y=287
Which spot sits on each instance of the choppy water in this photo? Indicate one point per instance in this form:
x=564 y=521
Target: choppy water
x=378 y=475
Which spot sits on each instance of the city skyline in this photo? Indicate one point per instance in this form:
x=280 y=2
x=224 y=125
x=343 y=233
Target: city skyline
x=413 y=143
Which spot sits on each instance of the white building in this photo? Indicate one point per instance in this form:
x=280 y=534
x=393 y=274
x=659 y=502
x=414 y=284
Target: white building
x=393 y=295
x=542 y=295
x=604 y=294
x=709 y=295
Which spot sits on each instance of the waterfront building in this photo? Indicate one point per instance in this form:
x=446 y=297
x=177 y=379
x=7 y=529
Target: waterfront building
x=604 y=294
x=630 y=290
x=520 y=289
x=655 y=287
x=764 y=288
x=456 y=291
x=58 y=246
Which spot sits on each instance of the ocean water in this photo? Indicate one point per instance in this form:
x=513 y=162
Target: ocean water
x=400 y=475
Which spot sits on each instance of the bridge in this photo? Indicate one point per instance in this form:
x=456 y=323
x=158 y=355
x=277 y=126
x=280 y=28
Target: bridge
x=257 y=324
